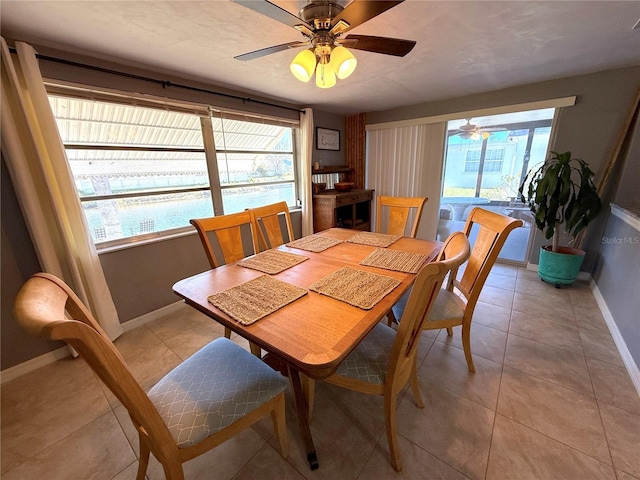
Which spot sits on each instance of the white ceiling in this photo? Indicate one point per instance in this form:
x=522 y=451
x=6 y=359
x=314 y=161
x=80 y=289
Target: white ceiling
x=462 y=47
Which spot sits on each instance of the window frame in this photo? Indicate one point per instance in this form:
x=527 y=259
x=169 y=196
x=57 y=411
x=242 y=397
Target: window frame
x=205 y=113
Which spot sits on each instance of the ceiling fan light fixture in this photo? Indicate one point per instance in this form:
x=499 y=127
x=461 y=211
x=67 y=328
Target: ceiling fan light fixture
x=325 y=75
x=303 y=65
x=343 y=62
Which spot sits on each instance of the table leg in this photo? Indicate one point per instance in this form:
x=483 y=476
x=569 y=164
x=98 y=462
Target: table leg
x=302 y=410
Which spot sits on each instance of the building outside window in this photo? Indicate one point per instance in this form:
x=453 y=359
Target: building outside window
x=492 y=160
x=147 y=171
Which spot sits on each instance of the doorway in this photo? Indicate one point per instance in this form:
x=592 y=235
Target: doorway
x=486 y=159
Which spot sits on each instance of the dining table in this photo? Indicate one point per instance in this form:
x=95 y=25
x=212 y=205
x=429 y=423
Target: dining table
x=315 y=332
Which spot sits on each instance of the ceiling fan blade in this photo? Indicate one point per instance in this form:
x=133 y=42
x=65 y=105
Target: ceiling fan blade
x=385 y=45
x=269 y=50
x=359 y=11
x=271 y=10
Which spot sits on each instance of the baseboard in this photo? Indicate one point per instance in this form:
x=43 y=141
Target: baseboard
x=148 y=317
x=629 y=362
x=60 y=353
x=34 y=364
x=581 y=275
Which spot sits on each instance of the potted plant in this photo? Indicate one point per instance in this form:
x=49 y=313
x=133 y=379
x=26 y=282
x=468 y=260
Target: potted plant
x=561 y=194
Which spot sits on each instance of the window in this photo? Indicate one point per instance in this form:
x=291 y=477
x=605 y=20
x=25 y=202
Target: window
x=255 y=163
x=492 y=161
x=141 y=170
x=484 y=167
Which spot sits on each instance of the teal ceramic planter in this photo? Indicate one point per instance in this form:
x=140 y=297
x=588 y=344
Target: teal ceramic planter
x=562 y=267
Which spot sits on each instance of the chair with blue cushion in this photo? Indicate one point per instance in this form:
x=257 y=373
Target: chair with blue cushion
x=385 y=360
x=210 y=397
x=455 y=303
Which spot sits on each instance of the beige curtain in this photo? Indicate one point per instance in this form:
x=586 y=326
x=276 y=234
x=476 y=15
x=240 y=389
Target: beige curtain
x=37 y=164
x=304 y=170
x=407 y=162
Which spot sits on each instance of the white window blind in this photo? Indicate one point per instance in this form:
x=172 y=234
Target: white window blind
x=406 y=161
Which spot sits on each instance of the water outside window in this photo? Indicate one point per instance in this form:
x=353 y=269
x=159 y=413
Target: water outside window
x=140 y=171
x=485 y=161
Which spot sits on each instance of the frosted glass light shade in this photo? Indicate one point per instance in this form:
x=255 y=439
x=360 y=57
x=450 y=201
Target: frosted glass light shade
x=303 y=65
x=343 y=62
x=325 y=75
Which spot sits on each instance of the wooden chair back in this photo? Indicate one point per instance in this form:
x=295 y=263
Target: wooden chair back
x=492 y=231
x=398 y=209
x=423 y=294
x=228 y=232
x=40 y=309
x=266 y=222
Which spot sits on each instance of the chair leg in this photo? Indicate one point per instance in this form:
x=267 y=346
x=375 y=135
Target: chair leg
x=173 y=471
x=143 y=461
x=309 y=388
x=391 y=318
x=280 y=425
x=255 y=349
x=466 y=344
x=450 y=331
x=227 y=332
x=392 y=434
x=415 y=387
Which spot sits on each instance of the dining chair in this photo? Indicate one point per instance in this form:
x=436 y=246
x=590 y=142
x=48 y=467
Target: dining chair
x=266 y=222
x=227 y=230
x=385 y=360
x=491 y=229
x=398 y=210
x=213 y=395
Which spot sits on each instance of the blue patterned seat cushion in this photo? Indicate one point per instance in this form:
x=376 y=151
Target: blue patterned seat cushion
x=210 y=390
x=368 y=362
x=448 y=305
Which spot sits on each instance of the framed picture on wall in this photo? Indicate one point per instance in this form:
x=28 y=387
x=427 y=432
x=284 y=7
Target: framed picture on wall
x=327 y=139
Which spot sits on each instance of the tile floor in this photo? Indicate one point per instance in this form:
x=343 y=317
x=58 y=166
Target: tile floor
x=550 y=399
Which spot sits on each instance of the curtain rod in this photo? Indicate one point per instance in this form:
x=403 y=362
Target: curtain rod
x=164 y=83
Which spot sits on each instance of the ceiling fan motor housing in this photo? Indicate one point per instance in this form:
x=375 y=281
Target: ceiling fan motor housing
x=320 y=13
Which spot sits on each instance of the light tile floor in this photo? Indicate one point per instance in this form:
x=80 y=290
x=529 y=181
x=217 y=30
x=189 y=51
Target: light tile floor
x=550 y=399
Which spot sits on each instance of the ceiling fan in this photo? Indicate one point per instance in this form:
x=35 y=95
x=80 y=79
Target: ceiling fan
x=475 y=132
x=323 y=24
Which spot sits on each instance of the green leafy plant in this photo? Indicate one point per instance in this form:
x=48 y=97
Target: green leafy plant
x=561 y=192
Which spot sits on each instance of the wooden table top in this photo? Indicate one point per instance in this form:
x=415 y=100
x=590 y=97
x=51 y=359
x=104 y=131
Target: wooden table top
x=315 y=333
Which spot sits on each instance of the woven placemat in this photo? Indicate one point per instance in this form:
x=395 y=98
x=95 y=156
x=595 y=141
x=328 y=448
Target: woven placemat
x=355 y=287
x=395 y=260
x=314 y=243
x=272 y=261
x=250 y=301
x=381 y=240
